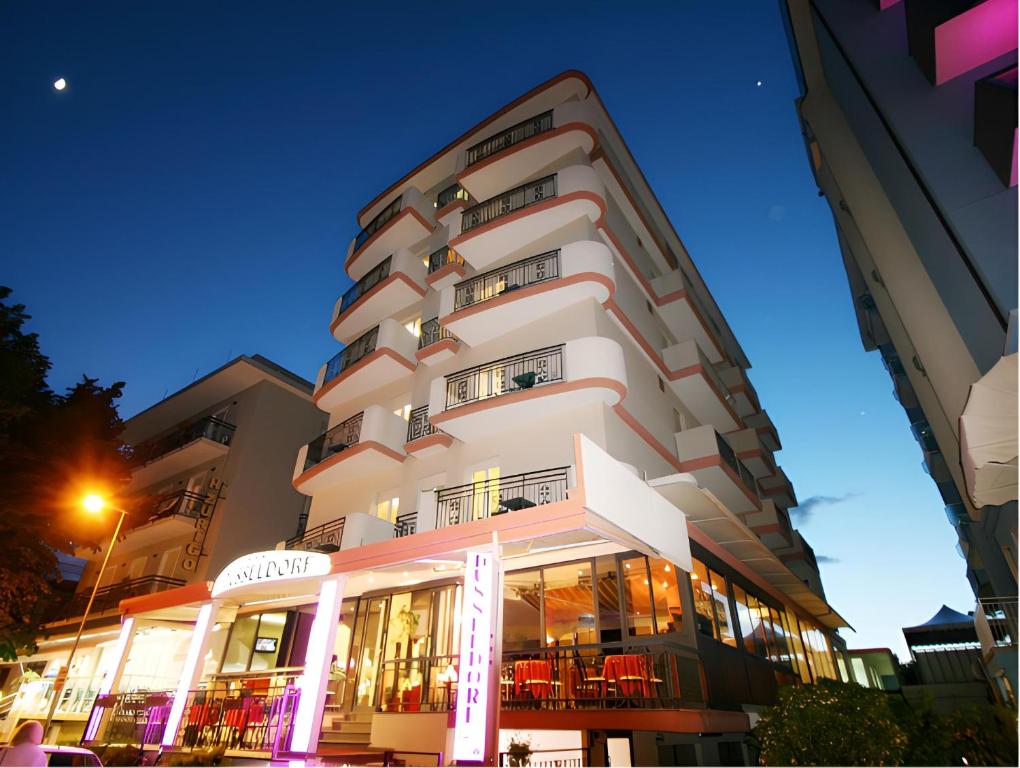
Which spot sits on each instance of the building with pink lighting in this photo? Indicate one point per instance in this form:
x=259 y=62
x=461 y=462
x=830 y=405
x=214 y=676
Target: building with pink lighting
x=909 y=113
x=546 y=513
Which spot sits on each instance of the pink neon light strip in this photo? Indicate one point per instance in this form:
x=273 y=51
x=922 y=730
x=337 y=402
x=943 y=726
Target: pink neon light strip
x=191 y=662
x=96 y=716
x=975 y=37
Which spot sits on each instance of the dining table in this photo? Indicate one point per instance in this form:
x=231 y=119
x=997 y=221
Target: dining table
x=631 y=674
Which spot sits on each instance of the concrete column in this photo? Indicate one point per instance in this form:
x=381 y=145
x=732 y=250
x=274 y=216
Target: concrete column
x=192 y=671
x=112 y=681
x=307 y=721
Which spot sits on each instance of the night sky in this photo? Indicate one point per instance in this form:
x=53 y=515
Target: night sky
x=189 y=197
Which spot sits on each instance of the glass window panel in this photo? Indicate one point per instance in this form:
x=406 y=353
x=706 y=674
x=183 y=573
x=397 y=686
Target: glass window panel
x=522 y=624
x=745 y=623
x=609 y=599
x=755 y=608
x=341 y=669
x=239 y=646
x=669 y=612
x=796 y=649
x=637 y=592
x=569 y=604
x=782 y=649
x=722 y=609
x=703 y=600
x=269 y=639
x=809 y=656
x=770 y=635
x=371 y=652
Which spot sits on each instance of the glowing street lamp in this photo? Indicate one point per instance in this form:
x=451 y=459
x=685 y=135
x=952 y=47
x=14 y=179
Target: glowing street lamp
x=94 y=504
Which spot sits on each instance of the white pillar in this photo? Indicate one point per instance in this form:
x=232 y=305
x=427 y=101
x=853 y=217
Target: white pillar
x=122 y=650
x=192 y=672
x=321 y=638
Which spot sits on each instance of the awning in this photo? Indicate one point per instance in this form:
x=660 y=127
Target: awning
x=988 y=435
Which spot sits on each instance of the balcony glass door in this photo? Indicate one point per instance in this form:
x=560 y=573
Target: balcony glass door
x=485 y=496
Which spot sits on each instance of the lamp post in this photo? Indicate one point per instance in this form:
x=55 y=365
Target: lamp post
x=94 y=504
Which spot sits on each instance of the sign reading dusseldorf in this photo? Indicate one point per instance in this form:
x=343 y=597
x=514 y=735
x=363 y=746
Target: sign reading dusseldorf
x=268 y=567
x=476 y=627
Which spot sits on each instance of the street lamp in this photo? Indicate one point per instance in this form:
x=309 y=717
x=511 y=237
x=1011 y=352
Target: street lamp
x=93 y=503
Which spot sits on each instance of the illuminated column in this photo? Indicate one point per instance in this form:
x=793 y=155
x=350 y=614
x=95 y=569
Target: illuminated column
x=321 y=637
x=192 y=672
x=121 y=652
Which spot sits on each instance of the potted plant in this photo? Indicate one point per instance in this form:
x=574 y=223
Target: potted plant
x=519 y=753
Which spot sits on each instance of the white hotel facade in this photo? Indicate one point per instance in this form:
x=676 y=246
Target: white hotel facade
x=547 y=494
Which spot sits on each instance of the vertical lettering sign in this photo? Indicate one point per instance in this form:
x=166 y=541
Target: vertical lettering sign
x=476 y=645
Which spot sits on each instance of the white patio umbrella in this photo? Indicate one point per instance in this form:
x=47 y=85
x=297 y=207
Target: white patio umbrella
x=988 y=435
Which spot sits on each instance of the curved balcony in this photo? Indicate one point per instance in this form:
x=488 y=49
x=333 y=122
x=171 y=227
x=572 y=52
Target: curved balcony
x=751 y=450
x=501 y=301
x=705 y=454
x=394 y=285
x=446 y=267
x=423 y=439
x=684 y=311
x=695 y=382
x=772 y=525
x=745 y=399
x=513 y=220
x=436 y=343
x=402 y=224
x=767 y=432
x=516 y=153
x=779 y=488
x=201 y=441
x=528 y=387
x=381 y=357
x=367 y=443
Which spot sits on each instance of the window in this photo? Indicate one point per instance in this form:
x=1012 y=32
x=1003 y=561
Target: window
x=521 y=612
x=388 y=506
x=703 y=600
x=609 y=599
x=404 y=411
x=569 y=604
x=638 y=594
x=723 y=618
x=414 y=327
x=256 y=642
x=485 y=499
x=747 y=626
x=669 y=612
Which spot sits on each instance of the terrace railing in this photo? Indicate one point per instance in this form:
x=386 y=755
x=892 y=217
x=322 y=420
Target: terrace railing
x=431 y=332
x=509 y=374
x=375 y=276
x=508 y=137
x=182 y=503
x=475 y=501
x=341 y=437
x=537 y=269
x=508 y=202
x=321 y=538
x=381 y=219
x=405 y=524
x=418 y=424
x=440 y=257
x=209 y=427
x=352 y=353
x=1000 y=614
x=451 y=193
x=108 y=598
x=730 y=457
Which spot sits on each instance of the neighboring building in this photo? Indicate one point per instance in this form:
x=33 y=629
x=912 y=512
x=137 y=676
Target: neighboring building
x=909 y=113
x=548 y=490
x=212 y=471
x=875 y=668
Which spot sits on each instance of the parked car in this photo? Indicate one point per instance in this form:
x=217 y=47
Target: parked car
x=75 y=757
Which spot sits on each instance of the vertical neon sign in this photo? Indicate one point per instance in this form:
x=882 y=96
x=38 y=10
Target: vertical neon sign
x=477 y=628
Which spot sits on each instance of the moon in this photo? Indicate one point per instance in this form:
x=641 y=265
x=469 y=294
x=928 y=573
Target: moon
x=59 y=84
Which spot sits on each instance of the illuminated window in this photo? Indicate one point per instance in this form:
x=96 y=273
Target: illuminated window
x=414 y=327
x=404 y=411
x=388 y=506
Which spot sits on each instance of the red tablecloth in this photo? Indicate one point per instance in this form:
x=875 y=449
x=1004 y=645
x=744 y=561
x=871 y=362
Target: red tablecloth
x=631 y=674
x=533 y=676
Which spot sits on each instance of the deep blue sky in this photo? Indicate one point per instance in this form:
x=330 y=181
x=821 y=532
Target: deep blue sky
x=191 y=194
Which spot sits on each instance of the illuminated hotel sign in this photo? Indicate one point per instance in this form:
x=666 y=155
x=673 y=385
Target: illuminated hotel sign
x=277 y=565
x=477 y=627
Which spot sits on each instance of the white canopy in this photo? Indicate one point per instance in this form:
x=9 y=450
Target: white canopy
x=988 y=435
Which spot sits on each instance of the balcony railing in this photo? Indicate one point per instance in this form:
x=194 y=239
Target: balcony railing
x=451 y=193
x=1000 y=613
x=321 y=538
x=380 y=220
x=443 y=256
x=209 y=427
x=418 y=424
x=137 y=717
x=507 y=138
x=537 y=269
x=730 y=457
x=109 y=597
x=502 y=376
x=431 y=332
x=333 y=441
x=508 y=202
x=182 y=503
x=405 y=524
x=476 y=501
x=352 y=353
x=365 y=284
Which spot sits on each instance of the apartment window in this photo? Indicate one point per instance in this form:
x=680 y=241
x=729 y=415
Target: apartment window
x=485 y=498
x=404 y=411
x=388 y=506
x=679 y=421
x=569 y=604
x=414 y=326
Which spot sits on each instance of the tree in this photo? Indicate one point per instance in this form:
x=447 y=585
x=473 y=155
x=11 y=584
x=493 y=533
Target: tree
x=829 y=723
x=52 y=448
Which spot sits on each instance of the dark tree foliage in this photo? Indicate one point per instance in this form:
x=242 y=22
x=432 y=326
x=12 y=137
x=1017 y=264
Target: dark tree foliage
x=53 y=449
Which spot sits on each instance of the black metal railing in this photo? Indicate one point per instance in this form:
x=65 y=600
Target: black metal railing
x=375 y=276
x=333 y=441
x=418 y=424
x=475 y=501
x=537 y=269
x=602 y=676
x=108 y=598
x=321 y=538
x=431 y=332
x=136 y=717
x=1001 y=615
x=209 y=427
x=183 y=503
x=507 y=138
x=510 y=374
x=730 y=457
x=380 y=220
x=405 y=524
x=352 y=353
x=508 y=202
x=443 y=256
x=451 y=193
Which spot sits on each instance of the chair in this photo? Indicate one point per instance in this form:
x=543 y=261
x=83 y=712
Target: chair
x=586 y=686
